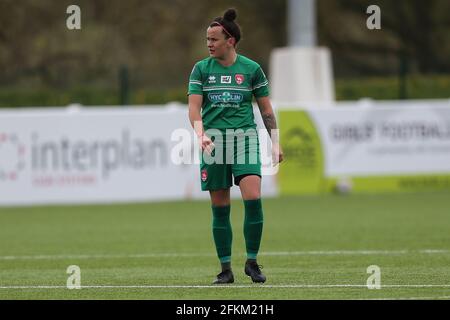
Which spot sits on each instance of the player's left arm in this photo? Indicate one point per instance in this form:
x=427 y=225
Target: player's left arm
x=270 y=122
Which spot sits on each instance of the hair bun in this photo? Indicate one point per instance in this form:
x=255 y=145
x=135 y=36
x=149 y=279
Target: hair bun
x=230 y=15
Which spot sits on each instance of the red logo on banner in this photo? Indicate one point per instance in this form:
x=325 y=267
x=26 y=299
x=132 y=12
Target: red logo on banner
x=239 y=78
x=204 y=175
x=9 y=169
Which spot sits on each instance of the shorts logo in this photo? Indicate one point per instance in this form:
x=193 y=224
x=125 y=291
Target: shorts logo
x=225 y=79
x=239 y=78
x=204 y=175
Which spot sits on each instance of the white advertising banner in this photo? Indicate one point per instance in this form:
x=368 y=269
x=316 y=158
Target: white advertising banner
x=384 y=140
x=99 y=155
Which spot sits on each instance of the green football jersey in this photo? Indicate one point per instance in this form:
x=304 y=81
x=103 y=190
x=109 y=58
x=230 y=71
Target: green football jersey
x=227 y=91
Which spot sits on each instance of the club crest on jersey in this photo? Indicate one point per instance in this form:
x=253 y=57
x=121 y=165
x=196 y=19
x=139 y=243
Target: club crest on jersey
x=204 y=175
x=239 y=78
x=225 y=79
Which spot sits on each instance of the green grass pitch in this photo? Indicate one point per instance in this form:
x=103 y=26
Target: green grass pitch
x=314 y=247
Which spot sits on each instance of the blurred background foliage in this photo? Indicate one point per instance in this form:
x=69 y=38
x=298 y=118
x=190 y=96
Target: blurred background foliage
x=151 y=47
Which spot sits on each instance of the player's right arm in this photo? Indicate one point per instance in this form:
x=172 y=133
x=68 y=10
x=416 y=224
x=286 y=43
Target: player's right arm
x=195 y=93
x=195 y=117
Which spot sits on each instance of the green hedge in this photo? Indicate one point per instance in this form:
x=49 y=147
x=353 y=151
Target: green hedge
x=386 y=88
x=88 y=96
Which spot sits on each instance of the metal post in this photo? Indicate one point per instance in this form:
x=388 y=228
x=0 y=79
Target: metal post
x=124 y=86
x=403 y=72
x=302 y=23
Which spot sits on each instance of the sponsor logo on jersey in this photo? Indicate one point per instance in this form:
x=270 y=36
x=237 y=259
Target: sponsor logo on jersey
x=226 y=97
x=212 y=79
x=225 y=79
x=204 y=175
x=239 y=78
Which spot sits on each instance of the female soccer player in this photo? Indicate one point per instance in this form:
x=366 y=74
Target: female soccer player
x=221 y=88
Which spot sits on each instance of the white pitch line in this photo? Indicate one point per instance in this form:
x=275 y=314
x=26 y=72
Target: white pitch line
x=193 y=255
x=102 y=256
x=315 y=286
x=411 y=298
x=105 y=256
x=337 y=252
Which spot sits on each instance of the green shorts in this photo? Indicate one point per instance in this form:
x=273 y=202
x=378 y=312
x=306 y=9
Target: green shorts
x=236 y=154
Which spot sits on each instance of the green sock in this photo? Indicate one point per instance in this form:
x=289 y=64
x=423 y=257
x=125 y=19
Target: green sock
x=253 y=226
x=222 y=232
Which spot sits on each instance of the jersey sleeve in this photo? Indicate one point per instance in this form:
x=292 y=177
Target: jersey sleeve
x=195 y=81
x=260 y=84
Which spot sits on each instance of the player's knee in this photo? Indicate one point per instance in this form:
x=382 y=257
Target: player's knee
x=220 y=203
x=252 y=195
x=220 y=198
